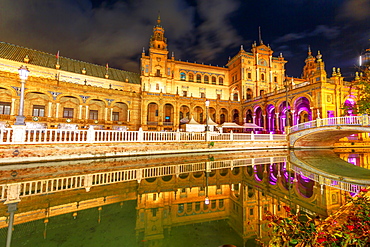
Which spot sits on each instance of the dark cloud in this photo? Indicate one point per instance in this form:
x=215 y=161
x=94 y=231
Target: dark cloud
x=356 y=10
x=320 y=30
x=209 y=31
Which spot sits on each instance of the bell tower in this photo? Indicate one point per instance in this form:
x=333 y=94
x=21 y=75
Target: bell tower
x=158 y=42
x=310 y=66
x=158 y=52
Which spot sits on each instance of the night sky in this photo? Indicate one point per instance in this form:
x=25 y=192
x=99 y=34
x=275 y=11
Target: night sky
x=205 y=31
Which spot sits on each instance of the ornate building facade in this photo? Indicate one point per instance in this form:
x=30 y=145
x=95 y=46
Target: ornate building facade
x=252 y=87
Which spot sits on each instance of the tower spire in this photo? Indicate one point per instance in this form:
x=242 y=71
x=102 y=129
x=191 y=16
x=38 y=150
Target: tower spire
x=259 y=35
x=159 y=19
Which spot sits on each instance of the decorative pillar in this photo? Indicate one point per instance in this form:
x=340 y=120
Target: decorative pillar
x=277 y=121
x=87 y=112
x=294 y=117
x=12 y=107
x=80 y=112
x=57 y=110
x=50 y=107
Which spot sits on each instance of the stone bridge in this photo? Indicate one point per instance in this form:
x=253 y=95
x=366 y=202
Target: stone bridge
x=326 y=131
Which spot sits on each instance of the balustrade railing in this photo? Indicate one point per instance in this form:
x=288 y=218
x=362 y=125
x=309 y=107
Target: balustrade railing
x=324 y=181
x=24 y=135
x=362 y=120
x=15 y=191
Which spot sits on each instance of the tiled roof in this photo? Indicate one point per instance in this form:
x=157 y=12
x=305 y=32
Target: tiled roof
x=18 y=53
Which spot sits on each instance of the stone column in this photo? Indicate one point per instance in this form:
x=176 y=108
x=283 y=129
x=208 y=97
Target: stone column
x=80 y=112
x=293 y=117
x=12 y=107
x=57 y=110
x=87 y=112
x=50 y=107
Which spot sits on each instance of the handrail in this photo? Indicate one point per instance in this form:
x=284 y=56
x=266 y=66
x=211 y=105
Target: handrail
x=362 y=120
x=24 y=135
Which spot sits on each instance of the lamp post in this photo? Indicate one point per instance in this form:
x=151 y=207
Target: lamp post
x=23 y=75
x=207 y=106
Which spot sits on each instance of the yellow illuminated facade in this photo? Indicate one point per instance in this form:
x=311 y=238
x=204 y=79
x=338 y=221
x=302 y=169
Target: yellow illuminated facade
x=252 y=87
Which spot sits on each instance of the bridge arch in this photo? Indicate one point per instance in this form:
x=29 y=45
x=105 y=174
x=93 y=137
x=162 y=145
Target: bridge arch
x=327 y=131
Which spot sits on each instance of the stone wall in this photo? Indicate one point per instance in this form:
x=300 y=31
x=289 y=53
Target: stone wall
x=17 y=154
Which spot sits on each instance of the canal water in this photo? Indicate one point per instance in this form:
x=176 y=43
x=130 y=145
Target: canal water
x=204 y=199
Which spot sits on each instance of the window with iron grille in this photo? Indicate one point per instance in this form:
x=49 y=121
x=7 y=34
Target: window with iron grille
x=93 y=114
x=38 y=111
x=68 y=112
x=5 y=108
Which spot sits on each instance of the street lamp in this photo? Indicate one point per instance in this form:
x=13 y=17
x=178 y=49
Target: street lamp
x=207 y=106
x=23 y=75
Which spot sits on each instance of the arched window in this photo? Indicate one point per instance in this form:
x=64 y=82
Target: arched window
x=262 y=77
x=235 y=97
x=206 y=79
x=199 y=78
x=221 y=81
x=182 y=76
x=249 y=93
x=213 y=79
x=191 y=77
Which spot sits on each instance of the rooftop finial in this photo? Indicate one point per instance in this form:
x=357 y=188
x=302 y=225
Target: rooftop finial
x=259 y=35
x=159 y=18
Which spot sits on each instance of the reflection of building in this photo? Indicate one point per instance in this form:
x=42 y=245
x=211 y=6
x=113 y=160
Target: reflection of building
x=62 y=92
x=240 y=196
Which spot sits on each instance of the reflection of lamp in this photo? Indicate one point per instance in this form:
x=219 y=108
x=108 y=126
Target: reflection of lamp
x=207 y=105
x=12 y=208
x=206 y=200
x=23 y=75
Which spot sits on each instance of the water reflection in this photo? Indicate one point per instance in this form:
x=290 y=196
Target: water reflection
x=180 y=200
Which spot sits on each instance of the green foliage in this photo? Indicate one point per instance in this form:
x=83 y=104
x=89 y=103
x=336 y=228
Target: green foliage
x=353 y=229
x=363 y=85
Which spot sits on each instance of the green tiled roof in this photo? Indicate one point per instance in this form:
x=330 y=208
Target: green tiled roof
x=18 y=53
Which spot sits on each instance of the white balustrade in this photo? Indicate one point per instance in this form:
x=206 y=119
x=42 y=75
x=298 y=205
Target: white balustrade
x=334 y=121
x=53 y=185
x=349 y=187
x=47 y=136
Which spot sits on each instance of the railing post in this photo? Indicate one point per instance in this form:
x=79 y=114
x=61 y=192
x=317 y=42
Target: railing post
x=19 y=134
x=139 y=175
x=365 y=120
x=231 y=135
x=13 y=193
x=318 y=122
x=208 y=136
x=177 y=133
x=88 y=182
x=140 y=135
x=90 y=134
x=271 y=136
x=252 y=136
